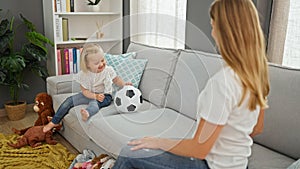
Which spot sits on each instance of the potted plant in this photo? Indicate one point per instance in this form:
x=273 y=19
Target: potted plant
x=94 y=5
x=32 y=56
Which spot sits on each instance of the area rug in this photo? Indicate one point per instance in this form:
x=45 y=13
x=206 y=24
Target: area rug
x=43 y=157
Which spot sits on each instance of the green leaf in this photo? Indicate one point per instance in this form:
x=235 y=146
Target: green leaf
x=4 y=26
x=34 y=53
x=40 y=71
x=5 y=40
x=29 y=24
x=38 y=40
x=2 y=76
x=13 y=63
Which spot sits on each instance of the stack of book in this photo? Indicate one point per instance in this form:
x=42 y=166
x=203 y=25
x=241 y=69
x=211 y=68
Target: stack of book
x=61 y=28
x=68 y=60
x=64 y=5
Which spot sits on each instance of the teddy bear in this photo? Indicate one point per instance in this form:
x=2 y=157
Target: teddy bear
x=44 y=107
x=103 y=161
x=34 y=137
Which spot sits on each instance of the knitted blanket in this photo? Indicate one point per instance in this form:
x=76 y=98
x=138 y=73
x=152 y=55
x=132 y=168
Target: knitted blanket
x=42 y=157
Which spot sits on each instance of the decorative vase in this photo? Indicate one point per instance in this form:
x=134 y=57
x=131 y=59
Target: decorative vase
x=15 y=112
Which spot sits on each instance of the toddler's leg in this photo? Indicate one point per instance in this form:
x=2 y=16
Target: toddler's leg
x=64 y=108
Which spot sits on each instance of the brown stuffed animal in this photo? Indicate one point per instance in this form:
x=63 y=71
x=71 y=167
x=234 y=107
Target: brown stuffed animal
x=34 y=137
x=44 y=107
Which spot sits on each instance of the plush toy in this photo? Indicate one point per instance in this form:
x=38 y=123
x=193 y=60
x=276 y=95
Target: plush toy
x=101 y=162
x=44 y=107
x=34 y=137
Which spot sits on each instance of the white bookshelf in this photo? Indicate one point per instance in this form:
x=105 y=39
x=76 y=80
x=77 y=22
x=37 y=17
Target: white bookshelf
x=82 y=24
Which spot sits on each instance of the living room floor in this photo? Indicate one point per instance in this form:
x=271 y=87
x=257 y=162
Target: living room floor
x=6 y=126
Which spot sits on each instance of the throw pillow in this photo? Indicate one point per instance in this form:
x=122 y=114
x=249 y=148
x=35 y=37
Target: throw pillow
x=295 y=165
x=129 y=69
x=113 y=59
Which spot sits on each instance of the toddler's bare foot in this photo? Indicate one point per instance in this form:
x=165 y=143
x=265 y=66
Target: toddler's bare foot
x=49 y=126
x=84 y=114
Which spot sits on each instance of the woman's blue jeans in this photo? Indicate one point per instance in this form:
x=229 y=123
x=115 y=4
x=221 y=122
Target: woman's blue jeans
x=78 y=99
x=156 y=159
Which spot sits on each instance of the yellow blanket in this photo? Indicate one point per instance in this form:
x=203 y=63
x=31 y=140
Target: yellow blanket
x=45 y=156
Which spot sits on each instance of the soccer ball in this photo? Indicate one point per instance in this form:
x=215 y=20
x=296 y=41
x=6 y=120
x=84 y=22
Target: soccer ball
x=129 y=99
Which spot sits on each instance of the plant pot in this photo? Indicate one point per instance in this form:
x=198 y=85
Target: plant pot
x=15 y=112
x=94 y=8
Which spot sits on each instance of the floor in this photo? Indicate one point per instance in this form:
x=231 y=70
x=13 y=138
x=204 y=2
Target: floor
x=6 y=125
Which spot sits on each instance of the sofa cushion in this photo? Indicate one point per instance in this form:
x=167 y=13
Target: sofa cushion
x=157 y=122
x=281 y=125
x=264 y=158
x=191 y=74
x=158 y=72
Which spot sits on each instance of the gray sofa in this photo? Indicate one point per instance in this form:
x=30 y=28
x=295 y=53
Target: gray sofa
x=170 y=85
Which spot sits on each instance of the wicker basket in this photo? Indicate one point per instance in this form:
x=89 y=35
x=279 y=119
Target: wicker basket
x=15 y=112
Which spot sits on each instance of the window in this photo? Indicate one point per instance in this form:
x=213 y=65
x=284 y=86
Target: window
x=291 y=56
x=158 y=23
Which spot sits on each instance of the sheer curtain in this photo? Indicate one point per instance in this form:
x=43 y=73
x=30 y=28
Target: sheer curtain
x=277 y=31
x=158 y=23
x=291 y=56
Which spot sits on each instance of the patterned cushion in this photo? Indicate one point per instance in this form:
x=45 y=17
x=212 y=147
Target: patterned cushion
x=129 y=69
x=114 y=59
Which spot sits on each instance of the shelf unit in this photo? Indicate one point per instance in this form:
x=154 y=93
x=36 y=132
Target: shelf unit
x=82 y=24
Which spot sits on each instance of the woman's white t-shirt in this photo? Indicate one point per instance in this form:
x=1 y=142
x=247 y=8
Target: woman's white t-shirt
x=97 y=82
x=218 y=104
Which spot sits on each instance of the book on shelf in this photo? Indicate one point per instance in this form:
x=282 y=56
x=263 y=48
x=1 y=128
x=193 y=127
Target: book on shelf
x=74 y=52
x=68 y=60
x=70 y=53
x=68 y=5
x=59 y=64
x=57 y=5
x=64 y=6
x=67 y=66
x=58 y=29
x=72 y=6
x=65 y=29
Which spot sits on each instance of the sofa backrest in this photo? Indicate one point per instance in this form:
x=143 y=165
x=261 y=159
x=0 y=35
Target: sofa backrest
x=192 y=71
x=282 y=118
x=159 y=69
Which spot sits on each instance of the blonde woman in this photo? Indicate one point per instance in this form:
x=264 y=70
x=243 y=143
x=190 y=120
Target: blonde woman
x=95 y=79
x=238 y=93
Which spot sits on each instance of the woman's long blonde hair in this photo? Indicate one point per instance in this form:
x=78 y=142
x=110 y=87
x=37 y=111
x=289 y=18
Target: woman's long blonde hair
x=242 y=45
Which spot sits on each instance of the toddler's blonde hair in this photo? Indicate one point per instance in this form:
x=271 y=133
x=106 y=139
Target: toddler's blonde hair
x=88 y=49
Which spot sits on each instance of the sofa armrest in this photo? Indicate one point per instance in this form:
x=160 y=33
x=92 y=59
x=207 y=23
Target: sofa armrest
x=62 y=84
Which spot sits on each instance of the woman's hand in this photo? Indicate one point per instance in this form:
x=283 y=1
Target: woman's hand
x=146 y=142
x=100 y=97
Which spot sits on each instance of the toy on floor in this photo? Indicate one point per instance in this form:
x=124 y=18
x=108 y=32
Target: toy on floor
x=129 y=99
x=101 y=162
x=34 y=137
x=44 y=107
